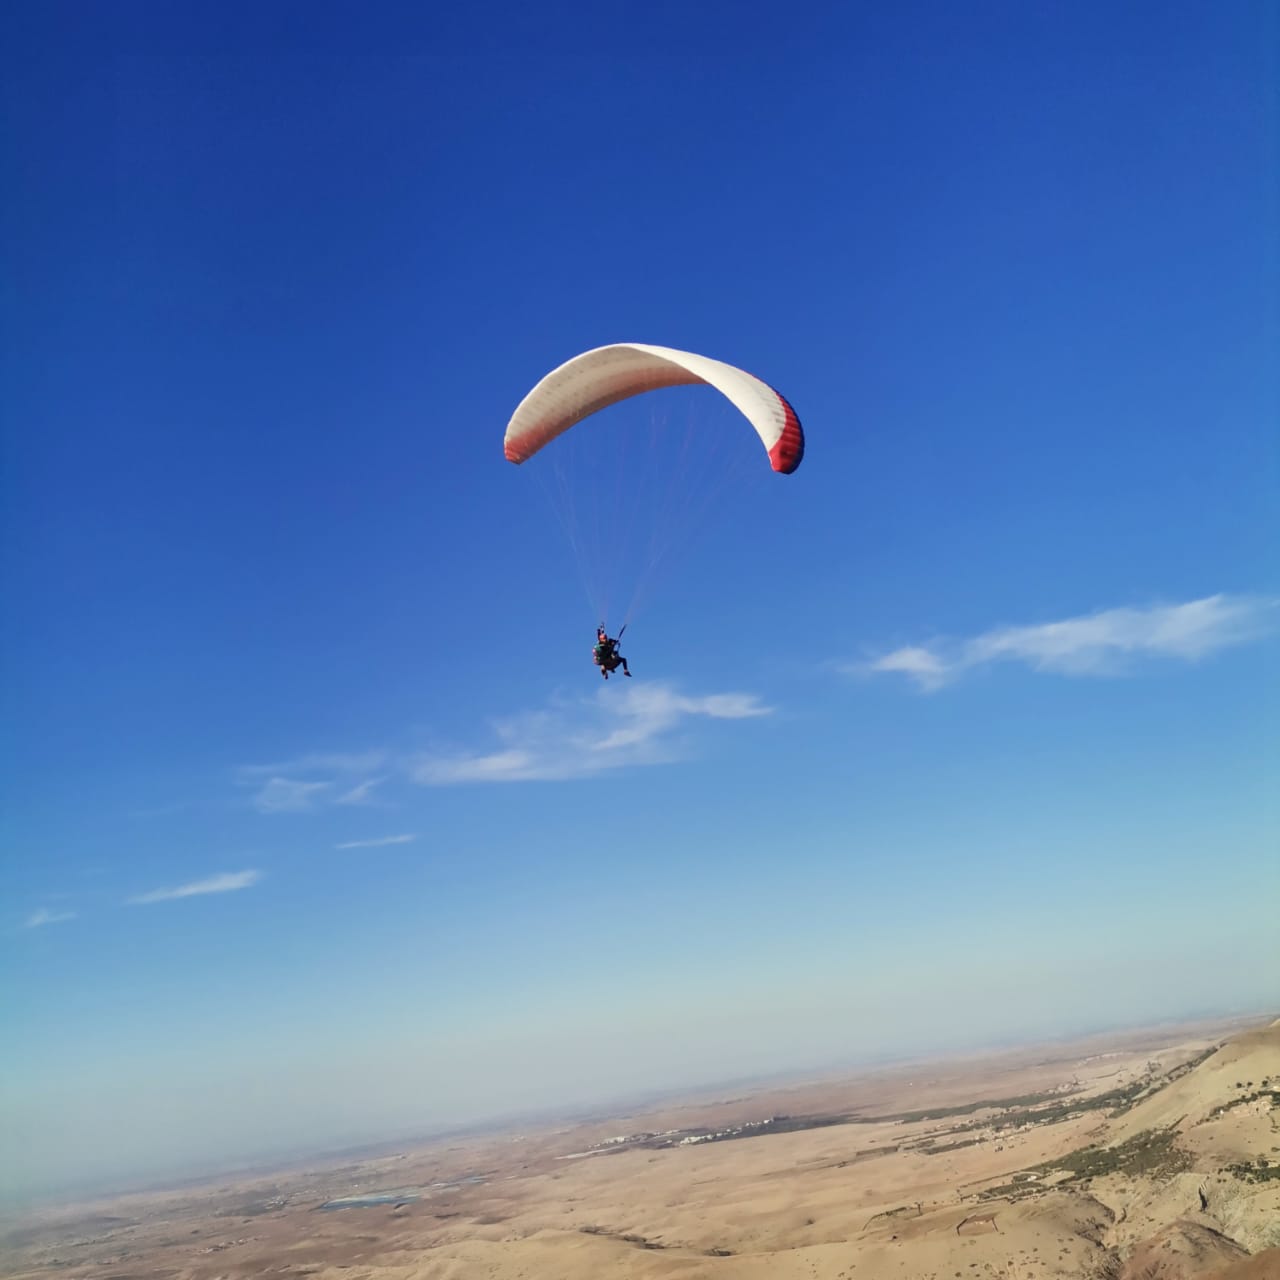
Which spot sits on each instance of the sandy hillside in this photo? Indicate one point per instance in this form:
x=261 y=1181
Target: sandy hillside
x=1181 y=1251
x=1114 y=1159
x=1262 y=1266
x=1231 y=1076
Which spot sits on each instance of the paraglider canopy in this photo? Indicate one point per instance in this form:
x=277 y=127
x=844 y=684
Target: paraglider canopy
x=601 y=377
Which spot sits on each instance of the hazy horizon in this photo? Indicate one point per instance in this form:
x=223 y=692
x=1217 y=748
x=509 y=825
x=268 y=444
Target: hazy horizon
x=319 y=1149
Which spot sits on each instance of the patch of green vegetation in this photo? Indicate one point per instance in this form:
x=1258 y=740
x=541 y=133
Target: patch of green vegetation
x=629 y=1237
x=1259 y=1170
x=1043 y=1108
x=1116 y=1101
x=640 y=1241
x=963 y=1109
x=873 y=1153
x=1244 y=1100
x=1153 y=1151
x=1059 y=1108
x=1176 y=1073
x=1011 y=1191
x=937 y=1150
x=794 y=1124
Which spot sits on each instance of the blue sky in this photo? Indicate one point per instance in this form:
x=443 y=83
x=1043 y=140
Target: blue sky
x=310 y=784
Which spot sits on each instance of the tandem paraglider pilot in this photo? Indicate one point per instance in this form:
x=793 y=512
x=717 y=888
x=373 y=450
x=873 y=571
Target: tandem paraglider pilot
x=606 y=656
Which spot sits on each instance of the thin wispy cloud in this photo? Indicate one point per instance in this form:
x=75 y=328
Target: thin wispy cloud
x=37 y=919
x=288 y=795
x=921 y=665
x=311 y=781
x=361 y=793
x=617 y=728
x=638 y=725
x=380 y=842
x=1109 y=643
x=228 y=882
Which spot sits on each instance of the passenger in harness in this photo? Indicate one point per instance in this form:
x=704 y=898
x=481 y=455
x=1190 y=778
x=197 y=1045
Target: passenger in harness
x=606 y=656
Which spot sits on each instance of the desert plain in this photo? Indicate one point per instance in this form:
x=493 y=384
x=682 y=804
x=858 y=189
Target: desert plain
x=1151 y=1154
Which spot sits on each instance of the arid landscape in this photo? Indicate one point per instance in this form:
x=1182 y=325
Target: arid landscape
x=1152 y=1155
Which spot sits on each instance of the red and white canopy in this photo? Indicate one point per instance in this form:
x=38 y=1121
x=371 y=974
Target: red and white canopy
x=605 y=375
